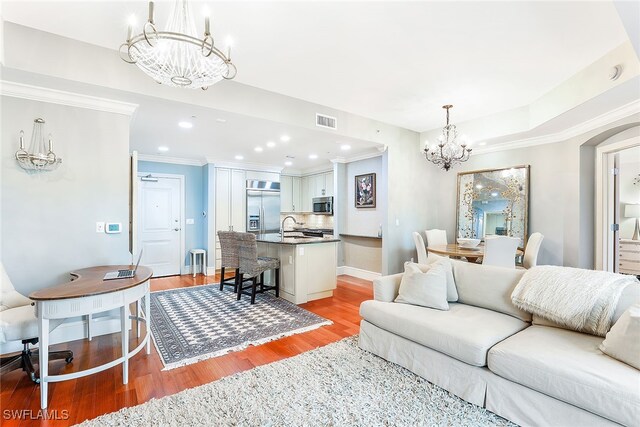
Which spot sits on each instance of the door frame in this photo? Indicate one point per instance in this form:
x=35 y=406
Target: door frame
x=183 y=267
x=604 y=253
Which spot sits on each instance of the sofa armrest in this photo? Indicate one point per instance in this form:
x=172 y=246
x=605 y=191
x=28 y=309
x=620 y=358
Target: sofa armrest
x=385 y=289
x=12 y=299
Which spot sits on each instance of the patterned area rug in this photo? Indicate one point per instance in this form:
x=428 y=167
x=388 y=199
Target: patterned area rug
x=193 y=324
x=336 y=385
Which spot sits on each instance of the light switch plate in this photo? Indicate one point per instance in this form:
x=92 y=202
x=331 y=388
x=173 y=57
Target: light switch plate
x=190 y=221
x=100 y=227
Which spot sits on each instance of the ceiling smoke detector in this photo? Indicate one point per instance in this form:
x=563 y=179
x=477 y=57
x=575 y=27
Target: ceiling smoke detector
x=615 y=72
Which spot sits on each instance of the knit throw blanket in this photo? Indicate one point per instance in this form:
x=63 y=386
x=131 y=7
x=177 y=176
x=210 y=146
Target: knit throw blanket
x=582 y=300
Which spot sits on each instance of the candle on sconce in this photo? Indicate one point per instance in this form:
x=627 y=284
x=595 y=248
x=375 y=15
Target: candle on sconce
x=206 y=26
x=129 y=32
x=22 y=140
x=50 y=144
x=229 y=48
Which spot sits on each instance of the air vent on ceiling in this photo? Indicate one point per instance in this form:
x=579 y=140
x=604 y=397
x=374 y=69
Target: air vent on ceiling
x=326 y=121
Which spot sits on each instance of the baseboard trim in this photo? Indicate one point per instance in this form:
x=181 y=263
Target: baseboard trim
x=357 y=272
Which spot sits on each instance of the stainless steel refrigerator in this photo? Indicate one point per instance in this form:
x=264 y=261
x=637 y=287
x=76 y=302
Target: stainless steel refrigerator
x=263 y=207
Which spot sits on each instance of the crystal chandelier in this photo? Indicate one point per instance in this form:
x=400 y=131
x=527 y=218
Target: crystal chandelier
x=40 y=156
x=448 y=152
x=177 y=57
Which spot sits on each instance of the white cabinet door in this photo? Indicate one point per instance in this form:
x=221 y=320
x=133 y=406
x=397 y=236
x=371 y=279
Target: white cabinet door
x=318 y=185
x=222 y=196
x=328 y=184
x=286 y=194
x=296 y=199
x=238 y=200
x=307 y=193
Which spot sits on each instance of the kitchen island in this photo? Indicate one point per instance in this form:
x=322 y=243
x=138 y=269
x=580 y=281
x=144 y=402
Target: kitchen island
x=307 y=265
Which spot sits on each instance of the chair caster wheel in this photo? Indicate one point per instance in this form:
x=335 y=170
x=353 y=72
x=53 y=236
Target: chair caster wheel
x=69 y=359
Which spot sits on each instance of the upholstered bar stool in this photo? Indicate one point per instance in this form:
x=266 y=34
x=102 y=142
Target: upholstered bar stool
x=229 y=258
x=252 y=266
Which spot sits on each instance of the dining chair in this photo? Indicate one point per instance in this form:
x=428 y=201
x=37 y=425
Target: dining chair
x=530 y=258
x=420 y=248
x=436 y=237
x=500 y=251
x=252 y=266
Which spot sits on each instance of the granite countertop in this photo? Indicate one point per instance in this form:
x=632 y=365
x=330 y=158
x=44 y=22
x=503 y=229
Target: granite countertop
x=294 y=239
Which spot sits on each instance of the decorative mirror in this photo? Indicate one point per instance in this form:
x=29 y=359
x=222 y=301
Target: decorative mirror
x=493 y=202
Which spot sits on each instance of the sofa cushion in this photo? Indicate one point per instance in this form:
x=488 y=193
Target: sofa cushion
x=568 y=366
x=464 y=332
x=428 y=289
x=488 y=287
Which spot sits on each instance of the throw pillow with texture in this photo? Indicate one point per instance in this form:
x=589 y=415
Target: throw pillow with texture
x=452 y=291
x=428 y=289
x=623 y=340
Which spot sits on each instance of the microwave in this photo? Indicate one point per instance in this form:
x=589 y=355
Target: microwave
x=322 y=205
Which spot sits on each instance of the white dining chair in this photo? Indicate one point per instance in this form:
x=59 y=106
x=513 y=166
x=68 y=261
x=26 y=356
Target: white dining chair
x=420 y=248
x=436 y=237
x=530 y=258
x=500 y=251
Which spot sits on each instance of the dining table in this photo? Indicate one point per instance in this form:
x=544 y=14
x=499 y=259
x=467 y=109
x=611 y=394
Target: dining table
x=457 y=251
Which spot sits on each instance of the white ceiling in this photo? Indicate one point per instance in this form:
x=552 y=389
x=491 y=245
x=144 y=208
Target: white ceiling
x=396 y=62
x=156 y=124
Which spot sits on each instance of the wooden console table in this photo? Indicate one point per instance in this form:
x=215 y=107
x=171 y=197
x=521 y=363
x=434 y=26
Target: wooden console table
x=85 y=295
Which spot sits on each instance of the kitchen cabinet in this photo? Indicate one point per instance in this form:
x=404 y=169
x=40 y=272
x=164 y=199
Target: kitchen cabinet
x=320 y=185
x=230 y=202
x=290 y=194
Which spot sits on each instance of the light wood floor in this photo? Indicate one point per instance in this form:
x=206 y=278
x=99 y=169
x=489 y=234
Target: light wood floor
x=94 y=395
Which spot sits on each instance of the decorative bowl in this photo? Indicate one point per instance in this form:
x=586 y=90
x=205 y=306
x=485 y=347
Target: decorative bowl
x=468 y=243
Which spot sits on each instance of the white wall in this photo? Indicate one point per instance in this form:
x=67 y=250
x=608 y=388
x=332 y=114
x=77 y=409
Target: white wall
x=363 y=221
x=48 y=219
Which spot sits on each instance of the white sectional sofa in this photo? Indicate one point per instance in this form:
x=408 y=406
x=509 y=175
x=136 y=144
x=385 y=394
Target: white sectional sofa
x=492 y=354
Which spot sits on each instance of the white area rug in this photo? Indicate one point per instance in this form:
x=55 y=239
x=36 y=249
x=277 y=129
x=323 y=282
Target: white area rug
x=335 y=385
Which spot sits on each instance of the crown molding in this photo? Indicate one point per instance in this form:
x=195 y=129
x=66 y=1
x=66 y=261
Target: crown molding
x=71 y=99
x=364 y=156
x=167 y=159
x=572 y=132
x=258 y=167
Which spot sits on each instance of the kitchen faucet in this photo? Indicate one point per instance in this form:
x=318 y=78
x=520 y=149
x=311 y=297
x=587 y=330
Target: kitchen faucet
x=282 y=227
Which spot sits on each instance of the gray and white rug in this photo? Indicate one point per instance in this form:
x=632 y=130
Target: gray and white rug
x=335 y=385
x=197 y=323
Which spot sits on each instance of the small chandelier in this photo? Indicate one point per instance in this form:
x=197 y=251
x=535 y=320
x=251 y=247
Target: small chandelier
x=40 y=156
x=177 y=57
x=448 y=152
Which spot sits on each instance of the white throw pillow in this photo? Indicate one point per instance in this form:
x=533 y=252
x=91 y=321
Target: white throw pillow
x=623 y=340
x=452 y=292
x=427 y=289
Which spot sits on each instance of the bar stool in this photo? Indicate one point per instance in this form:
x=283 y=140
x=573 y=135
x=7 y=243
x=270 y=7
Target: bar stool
x=252 y=265
x=229 y=258
x=194 y=261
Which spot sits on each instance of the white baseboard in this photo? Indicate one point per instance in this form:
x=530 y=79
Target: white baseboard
x=357 y=272
x=211 y=271
x=74 y=329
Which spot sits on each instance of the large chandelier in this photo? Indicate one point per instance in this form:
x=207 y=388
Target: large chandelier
x=177 y=57
x=40 y=156
x=448 y=152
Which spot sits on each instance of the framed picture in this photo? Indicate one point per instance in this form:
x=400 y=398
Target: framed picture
x=365 y=194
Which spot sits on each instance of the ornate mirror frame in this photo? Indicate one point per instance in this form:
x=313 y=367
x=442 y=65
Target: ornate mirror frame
x=518 y=203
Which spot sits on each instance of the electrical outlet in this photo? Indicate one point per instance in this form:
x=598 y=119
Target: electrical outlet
x=190 y=221
x=100 y=227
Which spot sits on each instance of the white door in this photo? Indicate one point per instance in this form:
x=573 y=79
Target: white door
x=159 y=224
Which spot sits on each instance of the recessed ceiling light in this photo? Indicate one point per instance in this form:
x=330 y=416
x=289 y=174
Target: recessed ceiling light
x=288 y=163
x=482 y=143
x=285 y=138
x=258 y=149
x=221 y=120
x=271 y=144
x=313 y=156
x=163 y=148
x=185 y=125
x=345 y=147
x=494 y=194
x=239 y=157
x=479 y=186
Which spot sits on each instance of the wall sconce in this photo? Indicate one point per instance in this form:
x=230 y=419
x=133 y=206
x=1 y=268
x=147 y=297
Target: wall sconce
x=40 y=156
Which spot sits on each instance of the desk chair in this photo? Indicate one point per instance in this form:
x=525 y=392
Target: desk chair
x=18 y=322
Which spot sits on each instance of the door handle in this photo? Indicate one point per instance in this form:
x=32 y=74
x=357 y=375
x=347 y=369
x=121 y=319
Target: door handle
x=176 y=229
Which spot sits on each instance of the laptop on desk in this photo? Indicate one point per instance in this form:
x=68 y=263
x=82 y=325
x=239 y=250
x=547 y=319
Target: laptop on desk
x=123 y=274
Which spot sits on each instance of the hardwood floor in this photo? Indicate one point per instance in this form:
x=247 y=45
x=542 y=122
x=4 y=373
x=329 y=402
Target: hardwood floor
x=94 y=395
